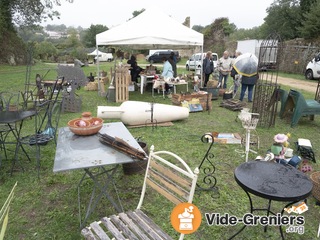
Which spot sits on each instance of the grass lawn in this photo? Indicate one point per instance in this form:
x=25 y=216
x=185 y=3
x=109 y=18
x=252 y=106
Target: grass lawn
x=48 y=208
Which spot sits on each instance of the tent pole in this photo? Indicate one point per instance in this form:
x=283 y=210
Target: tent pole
x=201 y=75
x=98 y=69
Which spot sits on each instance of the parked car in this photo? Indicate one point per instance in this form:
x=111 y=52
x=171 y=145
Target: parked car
x=195 y=61
x=158 y=56
x=313 y=68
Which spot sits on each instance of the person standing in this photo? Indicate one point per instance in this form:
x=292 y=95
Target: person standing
x=236 y=77
x=224 y=67
x=207 y=67
x=248 y=83
x=167 y=73
x=173 y=61
x=134 y=69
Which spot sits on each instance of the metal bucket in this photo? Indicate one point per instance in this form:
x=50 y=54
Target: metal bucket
x=139 y=166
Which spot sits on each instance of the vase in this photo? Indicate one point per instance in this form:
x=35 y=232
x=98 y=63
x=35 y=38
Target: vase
x=137 y=113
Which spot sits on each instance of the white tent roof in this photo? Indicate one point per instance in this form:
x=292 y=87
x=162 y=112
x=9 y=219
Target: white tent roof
x=94 y=53
x=151 y=29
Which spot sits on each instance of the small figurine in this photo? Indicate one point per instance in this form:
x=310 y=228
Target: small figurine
x=279 y=148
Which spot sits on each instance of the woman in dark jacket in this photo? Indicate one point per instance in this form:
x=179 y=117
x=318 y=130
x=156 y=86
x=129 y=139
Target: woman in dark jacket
x=207 y=67
x=134 y=69
x=248 y=82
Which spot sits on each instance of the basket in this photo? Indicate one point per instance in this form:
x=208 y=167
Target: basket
x=92 y=126
x=315 y=177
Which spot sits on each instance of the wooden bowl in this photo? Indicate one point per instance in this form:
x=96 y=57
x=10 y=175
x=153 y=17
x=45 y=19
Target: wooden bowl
x=89 y=129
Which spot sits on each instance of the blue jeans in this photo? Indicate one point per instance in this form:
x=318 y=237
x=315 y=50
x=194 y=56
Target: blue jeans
x=225 y=77
x=243 y=91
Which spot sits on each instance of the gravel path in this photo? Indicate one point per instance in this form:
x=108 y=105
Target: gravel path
x=310 y=86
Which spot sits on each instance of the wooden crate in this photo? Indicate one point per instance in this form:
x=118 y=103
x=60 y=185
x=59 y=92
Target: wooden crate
x=204 y=99
x=122 y=81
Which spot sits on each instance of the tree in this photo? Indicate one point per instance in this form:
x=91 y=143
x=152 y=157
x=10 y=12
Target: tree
x=284 y=17
x=45 y=50
x=136 y=13
x=32 y=34
x=72 y=40
x=311 y=23
x=186 y=22
x=21 y=13
x=242 y=34
x=215 y=34
x=306 y=5
x=198 y=28
x=89 y=38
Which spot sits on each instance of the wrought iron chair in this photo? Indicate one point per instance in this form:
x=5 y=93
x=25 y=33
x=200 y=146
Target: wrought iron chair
x=300 y=106
x=9 y=101
x=176 y=184
x=44 y=130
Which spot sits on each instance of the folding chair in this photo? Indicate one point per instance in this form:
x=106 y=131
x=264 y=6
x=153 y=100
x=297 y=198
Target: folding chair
x=176 y=184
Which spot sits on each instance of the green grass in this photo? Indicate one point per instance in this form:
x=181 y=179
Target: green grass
x=48 y=209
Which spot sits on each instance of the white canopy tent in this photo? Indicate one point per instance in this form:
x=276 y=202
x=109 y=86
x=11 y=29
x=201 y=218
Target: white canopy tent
x=151 y=29
x=96 y=52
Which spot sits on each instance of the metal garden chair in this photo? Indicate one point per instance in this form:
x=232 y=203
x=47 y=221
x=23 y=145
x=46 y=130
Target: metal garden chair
x=9 y=101
x=45 y=127
x=176 y=184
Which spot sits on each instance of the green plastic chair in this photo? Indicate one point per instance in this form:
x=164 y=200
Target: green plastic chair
x=300 y=106
x=283 y=95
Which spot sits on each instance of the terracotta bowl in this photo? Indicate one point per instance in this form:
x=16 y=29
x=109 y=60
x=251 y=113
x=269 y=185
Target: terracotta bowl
x=92 y=127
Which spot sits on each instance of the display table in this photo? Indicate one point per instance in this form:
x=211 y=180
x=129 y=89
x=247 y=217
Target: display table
x=274 y=182
x=97 y=160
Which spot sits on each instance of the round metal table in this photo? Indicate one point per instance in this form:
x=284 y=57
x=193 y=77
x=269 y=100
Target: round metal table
x=274 y=182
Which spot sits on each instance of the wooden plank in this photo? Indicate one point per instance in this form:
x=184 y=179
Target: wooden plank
x=152 y=224
x=88 y=234
x=163 y=192
x=169 y=184
x=143 y=225
x=170 y=174
x=123 y=227
x=113 y=229
x=99 y=231
x=133 y=226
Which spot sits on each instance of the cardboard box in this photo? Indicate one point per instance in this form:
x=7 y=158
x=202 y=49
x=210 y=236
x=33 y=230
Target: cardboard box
x=225 y=138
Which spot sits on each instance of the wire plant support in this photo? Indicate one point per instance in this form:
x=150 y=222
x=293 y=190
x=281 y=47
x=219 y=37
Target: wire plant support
x=249 y=122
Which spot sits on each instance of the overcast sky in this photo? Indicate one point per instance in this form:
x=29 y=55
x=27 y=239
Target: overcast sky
x=243 y=13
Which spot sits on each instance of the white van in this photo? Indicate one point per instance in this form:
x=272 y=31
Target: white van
x=313 y=68
x=104 y=57
x=195 y=61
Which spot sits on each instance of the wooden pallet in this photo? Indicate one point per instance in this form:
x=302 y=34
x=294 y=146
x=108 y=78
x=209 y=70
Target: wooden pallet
x=122 y=81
